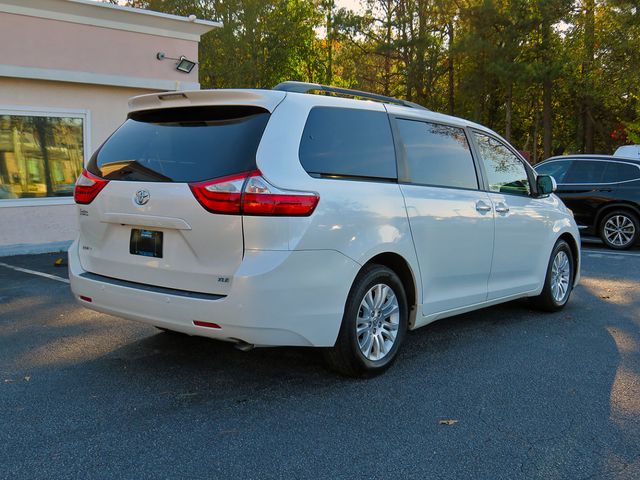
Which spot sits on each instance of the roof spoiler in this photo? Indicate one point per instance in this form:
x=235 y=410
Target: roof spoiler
x=267 y=99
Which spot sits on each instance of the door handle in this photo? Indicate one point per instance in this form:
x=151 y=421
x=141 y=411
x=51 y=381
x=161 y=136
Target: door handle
x=482 y=207
x=502 y=208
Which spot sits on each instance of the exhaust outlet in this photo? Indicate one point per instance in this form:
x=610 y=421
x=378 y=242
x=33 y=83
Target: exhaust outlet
x=243 y=346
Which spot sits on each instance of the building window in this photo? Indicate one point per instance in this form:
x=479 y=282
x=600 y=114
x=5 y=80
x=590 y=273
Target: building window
x=40 y=155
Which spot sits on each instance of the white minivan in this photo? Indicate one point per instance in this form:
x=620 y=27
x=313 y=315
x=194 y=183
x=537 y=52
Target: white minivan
x=281 y=217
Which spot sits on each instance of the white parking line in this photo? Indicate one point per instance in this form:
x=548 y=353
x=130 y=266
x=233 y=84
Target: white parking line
x=597 y=253
x=34 y=272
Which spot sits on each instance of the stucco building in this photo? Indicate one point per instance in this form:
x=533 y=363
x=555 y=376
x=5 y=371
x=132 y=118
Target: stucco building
x=67 y=69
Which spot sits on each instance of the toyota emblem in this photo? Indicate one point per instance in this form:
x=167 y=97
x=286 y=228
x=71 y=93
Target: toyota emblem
x=142 y=197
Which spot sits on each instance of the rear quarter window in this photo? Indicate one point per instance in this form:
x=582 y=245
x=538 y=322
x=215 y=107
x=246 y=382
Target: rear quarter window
x=620 y=172
x=344 y=142
x=182 y=144
x=585 y=171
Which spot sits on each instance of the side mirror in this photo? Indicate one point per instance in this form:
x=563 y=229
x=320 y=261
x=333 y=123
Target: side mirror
x=545 y=185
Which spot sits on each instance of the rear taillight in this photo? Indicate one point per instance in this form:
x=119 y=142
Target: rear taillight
x=221 y=195
x=251 y=194
x=262 y=198
x=87 y=187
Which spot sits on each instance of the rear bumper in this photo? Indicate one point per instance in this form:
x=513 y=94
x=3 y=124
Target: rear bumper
x=276 y=298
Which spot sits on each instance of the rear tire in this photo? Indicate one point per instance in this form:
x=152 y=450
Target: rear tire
x=559 y=280
x=374 y=324
x=619 y=229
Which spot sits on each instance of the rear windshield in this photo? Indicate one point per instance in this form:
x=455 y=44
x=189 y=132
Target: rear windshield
x=182 y=144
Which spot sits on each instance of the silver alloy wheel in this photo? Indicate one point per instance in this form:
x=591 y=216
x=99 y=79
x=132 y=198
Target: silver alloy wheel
x=560 y=273
x=378 y=322
x=619 y=230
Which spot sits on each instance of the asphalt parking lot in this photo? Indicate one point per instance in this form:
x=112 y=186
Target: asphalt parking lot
x=503 y=393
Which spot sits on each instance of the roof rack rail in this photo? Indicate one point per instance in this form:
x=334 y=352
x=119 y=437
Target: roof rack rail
x=304 y=87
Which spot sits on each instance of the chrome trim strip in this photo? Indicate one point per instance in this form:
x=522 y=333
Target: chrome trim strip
x=150 y=288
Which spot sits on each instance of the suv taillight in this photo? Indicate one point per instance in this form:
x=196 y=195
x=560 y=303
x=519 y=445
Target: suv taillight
x=87 y=187
x=250 y=194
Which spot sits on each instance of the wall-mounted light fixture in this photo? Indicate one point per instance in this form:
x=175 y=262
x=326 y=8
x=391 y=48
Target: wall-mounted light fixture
x=183 y=64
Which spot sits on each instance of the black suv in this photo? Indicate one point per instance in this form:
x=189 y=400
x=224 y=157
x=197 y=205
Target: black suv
x=603 y=192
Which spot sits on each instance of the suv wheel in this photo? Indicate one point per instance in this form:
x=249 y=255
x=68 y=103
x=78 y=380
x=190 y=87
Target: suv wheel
x=559 y=280
x=619 y=229
x=373 y=326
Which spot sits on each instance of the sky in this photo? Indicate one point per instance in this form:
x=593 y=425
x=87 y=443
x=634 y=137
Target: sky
x=349 y=4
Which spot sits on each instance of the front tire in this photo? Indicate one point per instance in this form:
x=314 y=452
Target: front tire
x=619 y=229
x=559 y=280
x=374 y=324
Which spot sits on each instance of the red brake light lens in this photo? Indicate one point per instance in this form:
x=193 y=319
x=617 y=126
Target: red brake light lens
x=279 y=205
x=251 y=194
x=87 y=187
x=261 y=198
x=221 y=195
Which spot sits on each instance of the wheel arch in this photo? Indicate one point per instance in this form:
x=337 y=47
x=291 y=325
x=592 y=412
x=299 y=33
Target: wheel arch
x=575 y=251
x=403 y=269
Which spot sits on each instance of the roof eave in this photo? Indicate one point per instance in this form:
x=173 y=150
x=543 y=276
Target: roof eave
x=107 y=15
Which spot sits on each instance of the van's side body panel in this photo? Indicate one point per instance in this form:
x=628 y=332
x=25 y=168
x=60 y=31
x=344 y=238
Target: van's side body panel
x=454 y=244
x=358 y=218
x=521 y=240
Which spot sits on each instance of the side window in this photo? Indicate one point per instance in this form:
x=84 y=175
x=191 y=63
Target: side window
x=505 y=171
x=557 y=169
x=620 y=172
x=586 y=171
x=437 y=155
x=348 y=142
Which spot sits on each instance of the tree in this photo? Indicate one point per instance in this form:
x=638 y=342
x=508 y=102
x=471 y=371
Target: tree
x=553 y=76
x=261 y=43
